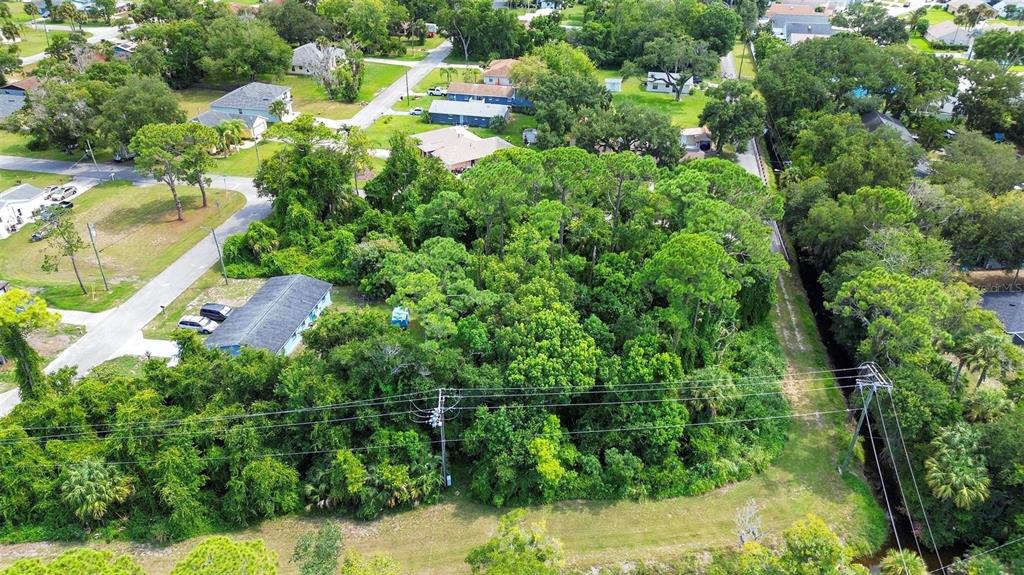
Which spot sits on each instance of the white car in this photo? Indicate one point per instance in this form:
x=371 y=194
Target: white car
x=61 y=193
x=416 y=112
x=437 y=91
x=197 y=323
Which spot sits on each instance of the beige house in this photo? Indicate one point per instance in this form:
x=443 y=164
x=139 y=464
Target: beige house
x=500 y=72
x=458 y=148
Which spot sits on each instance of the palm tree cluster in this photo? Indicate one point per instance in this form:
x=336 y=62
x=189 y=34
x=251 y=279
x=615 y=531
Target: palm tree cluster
x=956 y=471
x=229 y=135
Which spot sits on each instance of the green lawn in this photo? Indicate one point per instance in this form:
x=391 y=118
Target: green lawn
x=414 y=51
x=137 y=234
x=443 y=75
x=10 y=178
x=194 y=101
x=244 y=162
x=1006 y=22
x=33 y=41
x=684 y=113
x=380 y=131
x=309 y=97
x=17 y=145
x=573 y=16
x=936 y=15
x=377 y=77
x=18 y=14
x=743 y=63
x=209 y=288
x=513 y=133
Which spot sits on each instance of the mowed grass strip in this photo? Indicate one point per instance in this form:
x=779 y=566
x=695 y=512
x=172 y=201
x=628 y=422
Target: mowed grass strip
x=136 y=232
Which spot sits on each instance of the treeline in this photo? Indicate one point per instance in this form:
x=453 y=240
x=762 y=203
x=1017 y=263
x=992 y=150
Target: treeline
x=887 y=246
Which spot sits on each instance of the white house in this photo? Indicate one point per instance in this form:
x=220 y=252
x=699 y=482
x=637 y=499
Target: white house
x=663 y=83
x=18 y=202
x=500 y=72
x=255 y=99
x=613 y=85
x=254 y=125
x=947 y=33
x=307 y=58
x=1003 y=7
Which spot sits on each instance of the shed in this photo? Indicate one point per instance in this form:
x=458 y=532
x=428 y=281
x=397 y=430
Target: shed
x=274 y=317
x=474 y=113
x=613 y=85
x=400 y=317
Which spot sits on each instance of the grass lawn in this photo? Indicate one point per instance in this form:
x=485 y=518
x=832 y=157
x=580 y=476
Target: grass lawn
x=243 y=162
x=802 y=481
x=513 y=133
x=194 y=101
x=1005 y=22
x=380 y=131
x=309 y=97
x=10 y=178
x=573 y=16
x=18 y=14
x=17 y=145
x=48 y=342
x=743 y=63
x=414 y=51
x=1017 y=69
x=377 y=77
x=33 y=41
x=442 y=76
x=936 y=15
x=209 y=288
x=137 y=235
x=920 y=44
x=684 y=113
x=455 y=57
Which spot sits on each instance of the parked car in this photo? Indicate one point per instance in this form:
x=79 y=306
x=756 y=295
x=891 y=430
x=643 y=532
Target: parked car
x=65 y=204
x=53 y=211
x=197 y=323
x=63 y=193
x=437 y=91
x=416 y=112
x=697 y=80
x=218 y=312
x=128 y=155
x=40 y=234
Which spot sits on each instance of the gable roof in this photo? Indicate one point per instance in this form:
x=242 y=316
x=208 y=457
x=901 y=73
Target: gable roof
x=793 y=9
x=214 y=118
x=26 y=84
x=875 y=120
x=492 y=90
x=253 y=96
x=948 y=32
x=808 y=29
x=475 y=108
x=456 y=145
x=501 y=68
x=311 y=53
x=272 y=315
x=1009 y=306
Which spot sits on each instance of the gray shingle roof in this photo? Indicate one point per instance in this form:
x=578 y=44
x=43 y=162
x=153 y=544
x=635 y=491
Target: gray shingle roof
x=213 y=118
x=272 y=314
x=254 y=96
x=21 y=193
x=815 y=28
x=1009 y=306
x=309 y=54
x=475 y=108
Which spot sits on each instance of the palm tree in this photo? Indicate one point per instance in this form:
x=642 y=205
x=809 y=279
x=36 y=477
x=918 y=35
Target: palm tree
x=903 y=562
x=279 y=109
x=229 y=135
x=955 y=471
x=91 y=488
x=985 y=351
x=30 y=9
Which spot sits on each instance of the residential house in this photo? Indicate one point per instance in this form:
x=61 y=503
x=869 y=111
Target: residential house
x=308 y=58
x=875 y=120
x=781 y=23
x=1009 y=306
x=954 y=5
x=274 y=317
x=431 y=29
x=254 y=125
x=474 y=113
x=120 y=7
x=458 y=148
x=123 y=49
x=947 y=33
x=695 y=140
x=780 y=9
x=16 y=206
x=1005 y=7
x=255 y=99
x=663 y=83
x=490 y=93
x=500 y=72
x=13 y=95
x=797 y=32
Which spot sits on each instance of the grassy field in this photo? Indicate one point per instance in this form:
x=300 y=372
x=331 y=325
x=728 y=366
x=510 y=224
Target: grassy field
x=684 y=113
x=194 y=101
x=10 y=178
x=573 y=16
x=244 y=162
x=435 y=539
x=18 y=14
x=742 y=62
x=309 y=97
x=440 y=77
x=414 y=51
x=936 y=15
x=137 y=234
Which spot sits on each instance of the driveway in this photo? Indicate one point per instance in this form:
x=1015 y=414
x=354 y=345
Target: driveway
x=107 y=335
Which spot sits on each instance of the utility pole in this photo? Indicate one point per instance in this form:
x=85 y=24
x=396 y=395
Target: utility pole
x=435 y=418
x=92 y=238
x=88 y=146
x=220 y=256
x=869 y=381
x=256 y=145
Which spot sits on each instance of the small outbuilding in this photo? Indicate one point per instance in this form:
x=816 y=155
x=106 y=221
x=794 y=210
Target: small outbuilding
x=400 y=317
x=274 y=317
x=613 y=85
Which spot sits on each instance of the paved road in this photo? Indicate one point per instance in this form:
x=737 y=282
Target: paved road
x=99 y=33
x=390 y=96
x=107 y=336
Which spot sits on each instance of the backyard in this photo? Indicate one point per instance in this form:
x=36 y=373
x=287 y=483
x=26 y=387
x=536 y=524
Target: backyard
x=684 y=113
x=136 y=232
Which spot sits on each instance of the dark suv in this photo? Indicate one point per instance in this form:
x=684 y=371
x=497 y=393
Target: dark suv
x=218 y=312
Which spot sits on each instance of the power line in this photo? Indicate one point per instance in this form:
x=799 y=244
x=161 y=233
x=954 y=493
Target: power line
x=462 y=439
x=913 y=478
x=885 y=491
x=899 y=482
x=12 y=441
x=985 y=552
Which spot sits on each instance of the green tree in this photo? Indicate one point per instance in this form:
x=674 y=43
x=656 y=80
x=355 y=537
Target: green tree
x=317 y=552
x=91 y=488
x=734 y=114
x=167 y=152
x=990 y=103
x=140 y=101
x=21 y=313
x=1002 y=46
x=81 y=561
x=955 y=470
x=65 y=242
x=517 y=548
x=676 y=59
x=240 y=49
x=904 y=562
x=222 y=556
x=229 y=135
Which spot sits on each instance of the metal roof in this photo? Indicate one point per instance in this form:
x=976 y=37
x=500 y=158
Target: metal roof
x=253 y=96
x=272 y=315
x=473 y=108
